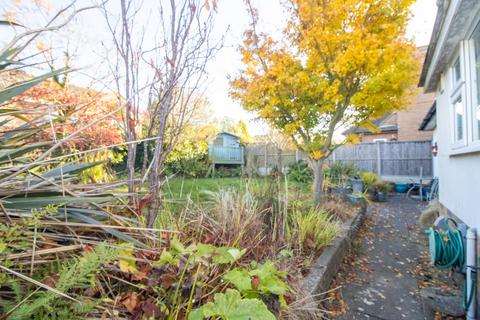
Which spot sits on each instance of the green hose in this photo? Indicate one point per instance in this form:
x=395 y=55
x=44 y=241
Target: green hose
x=446 y=248
x=446 y=251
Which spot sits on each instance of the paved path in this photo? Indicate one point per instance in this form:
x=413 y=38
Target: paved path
x=384 y=285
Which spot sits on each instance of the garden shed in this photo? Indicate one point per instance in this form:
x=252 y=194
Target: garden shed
x=226 y=149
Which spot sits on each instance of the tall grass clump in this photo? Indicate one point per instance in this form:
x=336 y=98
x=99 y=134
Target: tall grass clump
x=313 y=229
x=234 y=216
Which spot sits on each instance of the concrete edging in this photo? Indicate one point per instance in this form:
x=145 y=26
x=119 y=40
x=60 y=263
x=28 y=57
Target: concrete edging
x=327 y=264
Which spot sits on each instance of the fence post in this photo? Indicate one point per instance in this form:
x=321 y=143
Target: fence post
x=379 y=159
x=266 y=160
x=297 y=157
x=334 y=157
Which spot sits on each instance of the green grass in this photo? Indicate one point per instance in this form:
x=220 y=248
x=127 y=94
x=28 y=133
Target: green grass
x=180 y=188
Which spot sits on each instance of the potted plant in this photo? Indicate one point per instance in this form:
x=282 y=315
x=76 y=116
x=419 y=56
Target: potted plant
x=381 y=191
x=370 y=179
x=357 y=198
x=338 y=176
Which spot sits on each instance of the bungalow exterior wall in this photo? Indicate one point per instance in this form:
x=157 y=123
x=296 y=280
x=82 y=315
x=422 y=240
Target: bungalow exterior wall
x=459 y=175
x=458 y=161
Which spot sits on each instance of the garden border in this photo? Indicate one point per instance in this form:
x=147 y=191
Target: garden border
x=326 y=266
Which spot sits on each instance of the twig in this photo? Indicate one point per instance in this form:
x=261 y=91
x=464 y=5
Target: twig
x=44 y=286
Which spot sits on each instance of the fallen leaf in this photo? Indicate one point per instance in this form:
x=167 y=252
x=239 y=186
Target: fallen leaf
x=130 y=301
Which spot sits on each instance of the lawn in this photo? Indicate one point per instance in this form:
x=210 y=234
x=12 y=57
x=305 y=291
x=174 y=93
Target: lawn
x=180 y=188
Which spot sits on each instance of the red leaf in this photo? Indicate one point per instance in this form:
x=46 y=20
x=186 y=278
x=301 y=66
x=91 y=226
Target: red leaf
x=255 y=282
x=87 y=248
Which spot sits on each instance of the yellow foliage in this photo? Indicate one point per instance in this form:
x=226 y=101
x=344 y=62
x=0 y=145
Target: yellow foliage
x=353 y=138
x=126 y=259
x=342 y=62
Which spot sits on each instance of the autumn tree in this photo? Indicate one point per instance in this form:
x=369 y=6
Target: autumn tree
x=340 y=63
x=74 y=108
x=238 y=128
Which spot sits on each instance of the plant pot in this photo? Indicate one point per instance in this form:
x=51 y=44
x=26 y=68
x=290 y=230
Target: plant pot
x=381 y=196
x=357 y=185
x=355 y=199
x=401 y=187
x=338 y=190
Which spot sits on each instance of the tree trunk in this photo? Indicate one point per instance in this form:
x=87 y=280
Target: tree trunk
x=317 y=167
x=157 y=165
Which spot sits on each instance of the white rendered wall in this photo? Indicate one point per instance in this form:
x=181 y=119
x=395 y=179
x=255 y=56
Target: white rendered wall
x=459 y=174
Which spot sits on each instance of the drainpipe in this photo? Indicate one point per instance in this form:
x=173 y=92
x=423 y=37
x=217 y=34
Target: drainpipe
x=471 y=268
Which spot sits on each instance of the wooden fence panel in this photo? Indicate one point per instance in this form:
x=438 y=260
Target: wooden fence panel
x=406 y=158
x=393 y=158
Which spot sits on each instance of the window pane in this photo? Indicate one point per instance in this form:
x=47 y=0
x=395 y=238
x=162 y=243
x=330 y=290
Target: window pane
x=458 y=108
x=476 y=110
x=457 y=71
x=477 y=123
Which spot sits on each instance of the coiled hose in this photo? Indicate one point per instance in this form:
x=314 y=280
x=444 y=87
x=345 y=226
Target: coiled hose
x=446 y=248
x=446 y=252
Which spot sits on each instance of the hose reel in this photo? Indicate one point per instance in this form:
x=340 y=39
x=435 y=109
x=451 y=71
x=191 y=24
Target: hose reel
x=448 y=250
x=447 y=244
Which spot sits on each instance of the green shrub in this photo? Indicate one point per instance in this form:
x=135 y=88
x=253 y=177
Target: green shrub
x=227 y=172
x=381 y=186
x=338 y=173
x=194 y=167
x=370 y=179
x=300 y=172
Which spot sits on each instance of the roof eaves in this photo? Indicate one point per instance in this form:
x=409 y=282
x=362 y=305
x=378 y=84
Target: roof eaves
x=428 y=117
x=439 y=20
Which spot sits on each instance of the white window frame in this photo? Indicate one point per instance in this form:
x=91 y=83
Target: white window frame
x=458 y=143
x=467 y=89
x=457 y=92
x=474 y=139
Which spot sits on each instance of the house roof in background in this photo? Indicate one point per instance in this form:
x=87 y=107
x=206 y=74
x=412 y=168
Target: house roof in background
x=430 y=121
x=378 y=123
x=228 y=134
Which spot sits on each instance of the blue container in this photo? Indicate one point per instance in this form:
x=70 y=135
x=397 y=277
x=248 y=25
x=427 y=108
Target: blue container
x=401 y=187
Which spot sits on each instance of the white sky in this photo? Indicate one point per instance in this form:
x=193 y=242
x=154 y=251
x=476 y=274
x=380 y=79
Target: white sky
x=231 y=20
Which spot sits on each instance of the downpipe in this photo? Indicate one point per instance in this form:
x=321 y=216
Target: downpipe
x=471 y=274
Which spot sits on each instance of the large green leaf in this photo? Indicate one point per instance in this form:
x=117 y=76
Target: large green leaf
x=18 y=88
x=41 y=202
x=23 y=132
x=5 y=55
x=270 y=280
x=12 y=154
x=100 y=215
x=70 y=168
x=231 y=306
x=240 y=279
x=120 y=235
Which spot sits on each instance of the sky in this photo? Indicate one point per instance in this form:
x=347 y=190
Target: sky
x=87 y=36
